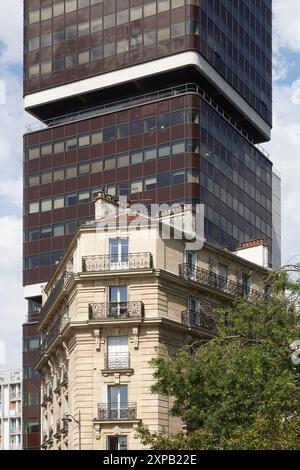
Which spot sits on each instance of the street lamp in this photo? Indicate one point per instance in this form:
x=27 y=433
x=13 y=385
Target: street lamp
x=69 y=418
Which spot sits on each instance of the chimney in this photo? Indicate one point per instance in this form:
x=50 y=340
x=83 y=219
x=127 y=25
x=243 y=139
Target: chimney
x=255 y=251
x=105 y=206
x=251 y=244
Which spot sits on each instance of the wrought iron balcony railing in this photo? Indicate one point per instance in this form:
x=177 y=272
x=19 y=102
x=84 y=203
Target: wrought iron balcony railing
x=61 y=426
x=54 y=331
x=194 y=319
x=105 y=263
x=117 y=361
x=116 y=310
x=55 y=291
x=117 y=412
x=214 y=281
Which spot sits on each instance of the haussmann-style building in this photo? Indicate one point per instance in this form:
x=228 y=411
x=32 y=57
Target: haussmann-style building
x=122 y=292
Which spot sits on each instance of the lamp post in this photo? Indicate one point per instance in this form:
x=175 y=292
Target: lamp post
x=69 y=418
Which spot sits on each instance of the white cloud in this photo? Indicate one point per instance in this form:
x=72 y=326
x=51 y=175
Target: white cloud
x=12 y=306
x=11 y=32
x=286 y=20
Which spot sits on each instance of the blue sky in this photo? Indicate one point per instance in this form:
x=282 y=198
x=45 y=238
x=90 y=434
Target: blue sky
x=284 y=150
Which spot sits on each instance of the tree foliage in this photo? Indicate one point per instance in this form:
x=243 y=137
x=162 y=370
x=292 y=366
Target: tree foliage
x=240 y=390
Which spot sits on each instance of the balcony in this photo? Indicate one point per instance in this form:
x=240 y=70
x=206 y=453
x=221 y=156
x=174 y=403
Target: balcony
x=58 y=286
x=117 y=361
x=209 y=279
x=54 y=331
x=15 y=396
x=134 y=261
x=116 y=311
x=198 y=320
x=61 y=426
x=118 y=412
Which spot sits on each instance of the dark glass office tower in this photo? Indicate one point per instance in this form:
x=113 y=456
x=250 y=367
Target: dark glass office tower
x=159 y=100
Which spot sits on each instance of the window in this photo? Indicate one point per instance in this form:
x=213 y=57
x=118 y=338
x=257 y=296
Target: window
x=33 y=152
x=163 y=121
x=163 y=34
x=58 y=230
x=111 y=189
x=71 y=5
x=122 y=17
x=122 y=46
x=71 y=172
x=34 y=207
x=46 y=177
x=58 y=174
x=83 y=197
x=110 y=163
x=71 y=61
x=117 y=398
x=71 y=227
x=33 y=180
x=177 y=118
x=136 y=13
x=96 y=166
x=59 y=64
x=34 y=16
x=149 y=38
x=33 y=234
x=122 y=131
x=96 y=25
x=109 y=21
x=136 y=127
x=71 y=199
x=46 y=149
x=164 y=150
x=163 y=180
x=178 y=177
x=32 y=426
x=150 y=183
x=83 y=28
x=123 y=160
x=97 y=138
x=136 y=157
x=150 y=124
x=58 y=36
x=118 y=251
x=177 y=30
x=34 y=44
x=46 y=40
x=57 y=256
x=178 y=147
x=58 y=9
x=71 y=143
x=46 y=205
x=117 y=443
x=150 y=153
x=83 y=57
x=150 y=8
x=46 y=259
x=223 y=271
x=84 y=140
x=71 y=32
x=59 y=147
x=33 y=70
x=84 y=169
x=117 y=352
x=109 y=134
x=109 y=49
x=46 y=232
x=58 y=202
x=136 y=186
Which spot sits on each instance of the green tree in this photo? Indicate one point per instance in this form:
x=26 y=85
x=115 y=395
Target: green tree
x=241 y=389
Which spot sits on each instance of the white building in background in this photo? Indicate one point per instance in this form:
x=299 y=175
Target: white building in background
x=11 y=410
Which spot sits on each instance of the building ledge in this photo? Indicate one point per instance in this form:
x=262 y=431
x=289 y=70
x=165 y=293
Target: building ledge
x=108 y=372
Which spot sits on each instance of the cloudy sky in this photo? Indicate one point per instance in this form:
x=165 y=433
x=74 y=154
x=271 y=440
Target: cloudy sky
x=284 y=150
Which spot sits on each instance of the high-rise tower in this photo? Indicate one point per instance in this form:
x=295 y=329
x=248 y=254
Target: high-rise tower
x=159 y=100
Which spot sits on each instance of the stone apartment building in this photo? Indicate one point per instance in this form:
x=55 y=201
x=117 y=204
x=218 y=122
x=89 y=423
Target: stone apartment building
x=11 y=410
x=119 y=294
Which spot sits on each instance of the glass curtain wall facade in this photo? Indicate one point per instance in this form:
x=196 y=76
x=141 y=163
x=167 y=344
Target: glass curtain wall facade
x=151 y=135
